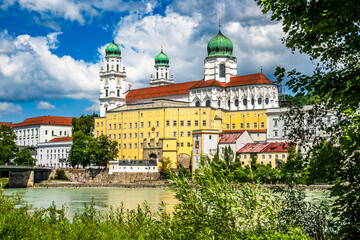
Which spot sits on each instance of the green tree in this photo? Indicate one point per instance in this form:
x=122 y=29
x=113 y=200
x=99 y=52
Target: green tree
x=102 y=150
x=328 y=31
x=23 y=157
x=84 y=124
x=79 y=151
x=8 y=148
x=165 y=167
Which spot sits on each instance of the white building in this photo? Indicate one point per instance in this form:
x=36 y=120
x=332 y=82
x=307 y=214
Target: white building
x=235 y=141
x=54 y=153
x=42 y=129
x=146 y=166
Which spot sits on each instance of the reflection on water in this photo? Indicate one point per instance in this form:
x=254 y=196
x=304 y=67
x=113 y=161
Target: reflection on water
x=74 y=199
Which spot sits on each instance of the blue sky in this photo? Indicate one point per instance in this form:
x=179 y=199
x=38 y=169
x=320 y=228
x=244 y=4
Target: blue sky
x=51 y=50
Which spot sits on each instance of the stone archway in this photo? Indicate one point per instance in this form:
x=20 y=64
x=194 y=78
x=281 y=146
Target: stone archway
x=152 y=156
x=184 y=160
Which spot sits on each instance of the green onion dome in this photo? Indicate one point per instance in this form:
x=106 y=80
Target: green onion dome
x=220 y=46
x=161 y=59
x=112 y=50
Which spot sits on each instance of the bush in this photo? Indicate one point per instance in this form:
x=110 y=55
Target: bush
x=60 y=174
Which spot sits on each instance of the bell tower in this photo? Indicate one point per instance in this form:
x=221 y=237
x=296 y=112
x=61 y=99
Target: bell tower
x=112 y=80
x=162 y=66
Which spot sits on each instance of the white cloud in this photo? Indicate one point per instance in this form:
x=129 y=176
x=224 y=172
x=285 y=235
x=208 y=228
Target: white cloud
x=10 y=108
x=29 y=71
x=44 y=105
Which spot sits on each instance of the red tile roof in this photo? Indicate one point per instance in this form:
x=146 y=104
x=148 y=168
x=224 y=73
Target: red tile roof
x=264 y=147
x=160 y=91
x=45 y=120
x=248 y=130
x=257 y=78
x=61 y=139
x=6 y=124
x=184 y=88
x=229 y=138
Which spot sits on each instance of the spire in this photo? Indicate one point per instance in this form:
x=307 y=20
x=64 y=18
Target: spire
x=161 y=47
x=113 y=37
x=219 y=25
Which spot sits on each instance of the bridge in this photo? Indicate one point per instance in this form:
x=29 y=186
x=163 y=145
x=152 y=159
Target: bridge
x=25 y=176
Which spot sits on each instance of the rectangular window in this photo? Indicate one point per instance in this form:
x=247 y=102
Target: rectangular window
x=45 y=132
x=130 y=135
x=114 y=126
x=135 y=125
x=255 y=125
x=174 y=134
x=196 y=123
x=182 y=144
x=263 y=156
x=167 y=123
x=114 y=136
x=247 y=125
x=189 y=134
x=181 y=123
x=188 y=144
x=109 y=136
x=275 y=133
x=109 y=126
x=262 y=124
x=269 y=155
x=189 y=123
x=174 y=123
x=135 y=145
x=181 y=134
x=124 y=135
x=125 y=146
x=157 y=123
x=204 y=123
x=119 y=136
x=149 y=123
x=233 y=125
x=276 y=156
x=119 y=125
x=227 y=126
x=141 y=135
x=60 y=132
x=149 y=134
x=283 y=155
x=102 y=124
x=97 y=124
x=177 y=144
x=130 y=145
x=135 y=135
x=130 y=125
x=142 y=124
x=275 y=122
x=241 y=125
x=245 y=156
x=210 y=137
x=53 y=132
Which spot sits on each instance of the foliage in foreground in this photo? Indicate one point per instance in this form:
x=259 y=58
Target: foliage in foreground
x=211 y=207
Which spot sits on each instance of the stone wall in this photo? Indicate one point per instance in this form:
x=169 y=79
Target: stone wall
x=21 y=179
x=102 y=176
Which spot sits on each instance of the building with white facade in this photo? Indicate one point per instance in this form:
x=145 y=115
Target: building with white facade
x=42 y=129
x=54 y=153
x=235 y=141
x=145 y=166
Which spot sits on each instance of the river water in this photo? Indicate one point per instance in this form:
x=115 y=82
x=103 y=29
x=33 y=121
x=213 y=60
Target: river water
x=74 y=199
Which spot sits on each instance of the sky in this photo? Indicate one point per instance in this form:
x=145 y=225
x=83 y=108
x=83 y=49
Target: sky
x=51 y=51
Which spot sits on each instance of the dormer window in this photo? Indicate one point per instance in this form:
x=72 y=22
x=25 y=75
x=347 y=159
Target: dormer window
x=208 y=103
x=222 y=70
x=197 y=104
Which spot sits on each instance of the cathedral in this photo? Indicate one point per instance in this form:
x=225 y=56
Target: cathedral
x=160 y=120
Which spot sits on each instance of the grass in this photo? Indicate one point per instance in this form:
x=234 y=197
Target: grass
x=4 y=181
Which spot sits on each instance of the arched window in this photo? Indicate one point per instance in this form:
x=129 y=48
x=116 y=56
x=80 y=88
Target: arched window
x=219 y=103
x=166 y=76
x=252 y=101
x=117 y=67
x=207 y=103
x=157 y=75
x=118 y=93
x=106 y=92
x=245 y=101
x=236 y=102
x=259 y=101
x=197 y=103
x=107 y=67
x=229 y=103
x=105 y=109
x=266 y=101
x=222 y=70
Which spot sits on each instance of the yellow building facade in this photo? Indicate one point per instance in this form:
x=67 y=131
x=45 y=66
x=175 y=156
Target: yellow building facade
x=167 y=126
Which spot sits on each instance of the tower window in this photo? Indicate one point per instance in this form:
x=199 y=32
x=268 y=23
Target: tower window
x=222 y=70
x=107 y=67
x=229 y=103
x=266 y=101
x=245 y=101
x=259 y=101
x=219 y=103
x=197 y=104
x=117 y=67
x=166 y=76
x=236 y=102
x=157 y=75
x=252 y=101
x=118 y=93
x=106 y=92
x=208 y=103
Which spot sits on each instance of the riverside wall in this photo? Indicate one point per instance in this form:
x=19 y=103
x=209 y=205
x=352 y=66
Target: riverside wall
x=102 y=176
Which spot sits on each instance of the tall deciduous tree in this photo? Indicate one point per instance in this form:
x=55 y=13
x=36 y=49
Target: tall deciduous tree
x=328 y=31
x=8 y=148
x=84 y=124
x=79 y=152
x=102 y=150
x=23 y=157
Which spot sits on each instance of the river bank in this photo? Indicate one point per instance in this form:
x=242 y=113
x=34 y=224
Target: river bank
x=151 y=184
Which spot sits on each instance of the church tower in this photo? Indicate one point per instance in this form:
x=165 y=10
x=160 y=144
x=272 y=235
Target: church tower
x=112 y=80
x=220 y=64
x=162 y=66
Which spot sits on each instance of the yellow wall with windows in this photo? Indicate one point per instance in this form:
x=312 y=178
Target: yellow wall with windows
x=131 y=126
x=264 y=158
